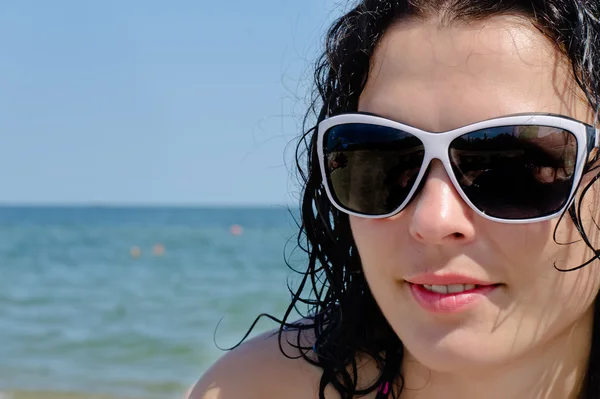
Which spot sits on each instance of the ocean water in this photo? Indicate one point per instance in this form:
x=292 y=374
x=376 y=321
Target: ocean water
x=82 y=317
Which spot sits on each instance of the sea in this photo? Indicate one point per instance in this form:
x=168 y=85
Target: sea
x=105 y=302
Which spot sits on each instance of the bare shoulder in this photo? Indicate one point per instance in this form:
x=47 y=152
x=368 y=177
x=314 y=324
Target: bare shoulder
x=259 y=369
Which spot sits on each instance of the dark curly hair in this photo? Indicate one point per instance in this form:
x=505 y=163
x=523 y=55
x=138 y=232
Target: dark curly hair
x=340 y=311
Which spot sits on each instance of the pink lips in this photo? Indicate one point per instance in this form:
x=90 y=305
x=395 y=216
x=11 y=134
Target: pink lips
x=452 y=302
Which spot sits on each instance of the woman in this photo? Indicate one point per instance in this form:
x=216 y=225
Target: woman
x=453 y=136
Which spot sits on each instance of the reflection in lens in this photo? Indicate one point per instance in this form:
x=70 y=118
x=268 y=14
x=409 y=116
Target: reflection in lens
x=516 y=172
x=371 y=169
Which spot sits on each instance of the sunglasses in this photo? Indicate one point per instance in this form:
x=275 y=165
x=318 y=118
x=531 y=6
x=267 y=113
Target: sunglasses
x=519 y=168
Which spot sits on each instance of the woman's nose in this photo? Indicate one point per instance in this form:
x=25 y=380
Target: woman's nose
x=439 y=214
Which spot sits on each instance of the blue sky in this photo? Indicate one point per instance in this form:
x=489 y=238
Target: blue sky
x=154 y=102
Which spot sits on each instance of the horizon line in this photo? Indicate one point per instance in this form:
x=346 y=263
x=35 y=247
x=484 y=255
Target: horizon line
x=116 y=204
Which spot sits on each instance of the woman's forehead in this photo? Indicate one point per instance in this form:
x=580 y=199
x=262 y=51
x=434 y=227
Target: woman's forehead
x=443 y=78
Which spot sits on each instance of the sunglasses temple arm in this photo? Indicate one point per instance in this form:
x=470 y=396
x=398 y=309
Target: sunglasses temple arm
x=593 y=138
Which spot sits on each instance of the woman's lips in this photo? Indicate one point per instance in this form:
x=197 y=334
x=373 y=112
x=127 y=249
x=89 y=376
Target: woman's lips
x=446 y=279
x=450 y=302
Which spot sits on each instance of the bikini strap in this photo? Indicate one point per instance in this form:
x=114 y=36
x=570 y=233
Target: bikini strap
x=383 y=390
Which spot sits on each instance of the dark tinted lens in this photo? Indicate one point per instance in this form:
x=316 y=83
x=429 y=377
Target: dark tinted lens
x=370 y=168
x=516 y=172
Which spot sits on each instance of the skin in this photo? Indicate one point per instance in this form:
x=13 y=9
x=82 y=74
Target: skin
x=531 y=337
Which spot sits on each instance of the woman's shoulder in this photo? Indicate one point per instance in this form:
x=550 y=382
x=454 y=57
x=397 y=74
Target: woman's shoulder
x=259 y=369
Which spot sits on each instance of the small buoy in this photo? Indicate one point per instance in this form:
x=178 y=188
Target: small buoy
x=135 y=252
x=158 y=249
x=236 y=230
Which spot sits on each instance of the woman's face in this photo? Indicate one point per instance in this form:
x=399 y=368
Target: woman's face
x=438 y=79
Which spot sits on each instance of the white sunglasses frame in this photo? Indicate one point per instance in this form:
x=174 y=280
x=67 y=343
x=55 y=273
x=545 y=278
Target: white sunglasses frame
x=436 y=147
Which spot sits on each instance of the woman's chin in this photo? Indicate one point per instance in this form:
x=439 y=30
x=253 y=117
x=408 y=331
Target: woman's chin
x=454 y=355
